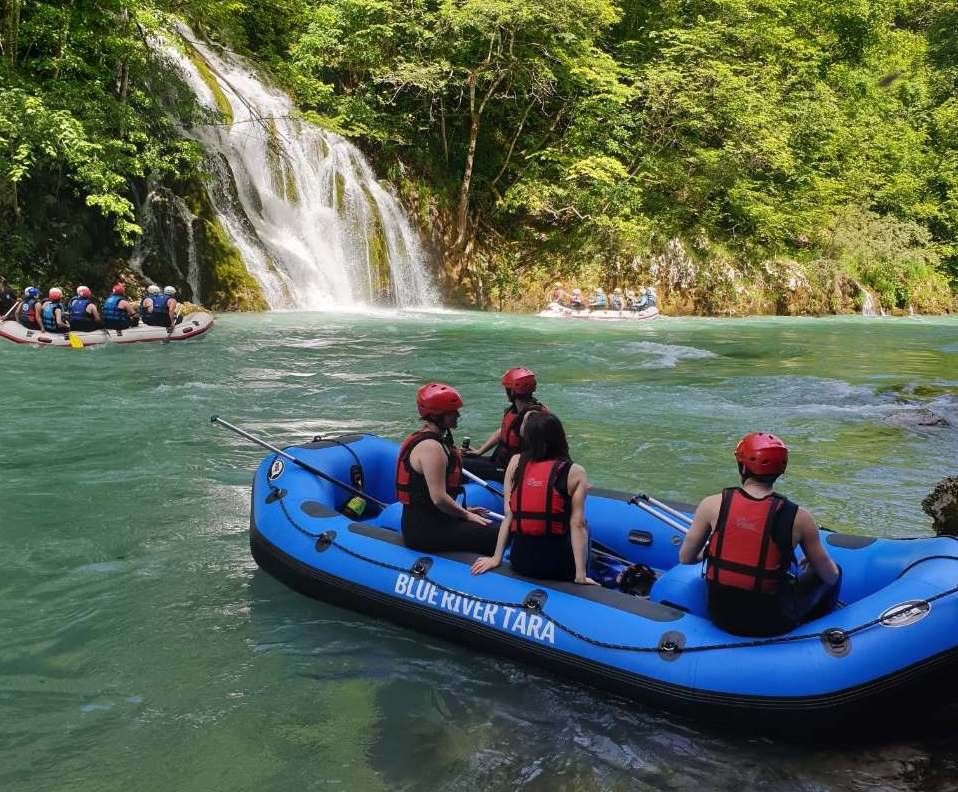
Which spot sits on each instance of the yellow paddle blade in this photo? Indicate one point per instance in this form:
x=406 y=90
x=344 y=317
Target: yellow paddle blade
x=75 y=341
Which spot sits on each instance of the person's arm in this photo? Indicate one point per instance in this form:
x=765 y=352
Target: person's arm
x=815 y=552
x=578 y=489
x=94 y=312
x=490 y=442
x=432 y=460
x=171 y=309
x=704 y=518
x=124 y=305
x=485 y=563
x=58 y=318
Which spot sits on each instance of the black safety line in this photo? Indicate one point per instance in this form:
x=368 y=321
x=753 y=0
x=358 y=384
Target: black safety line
x=833 y=635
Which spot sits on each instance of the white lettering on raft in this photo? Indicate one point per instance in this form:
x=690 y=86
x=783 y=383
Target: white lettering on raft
x=514 y=620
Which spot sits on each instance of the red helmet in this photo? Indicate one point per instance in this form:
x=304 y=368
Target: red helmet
x=84 y=292
x=520 y=381
x=437 y=399
x=55 y=294
x=762 y=454
x=119 y=289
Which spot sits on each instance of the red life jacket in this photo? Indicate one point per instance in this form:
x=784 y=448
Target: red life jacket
x=411 y=485
x=510 y=441
x=751 y=546
x=538 y=507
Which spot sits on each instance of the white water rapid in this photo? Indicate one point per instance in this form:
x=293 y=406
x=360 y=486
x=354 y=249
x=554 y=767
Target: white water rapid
x=313 y=224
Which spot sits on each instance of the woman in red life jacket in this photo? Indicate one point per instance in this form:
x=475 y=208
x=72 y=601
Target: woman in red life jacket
x=519 y=384
x=428 y=480
x=746 y=536
x=544 y=508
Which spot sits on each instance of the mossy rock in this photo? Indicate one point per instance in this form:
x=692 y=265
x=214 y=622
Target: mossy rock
x=227 y=283
x=222 y=103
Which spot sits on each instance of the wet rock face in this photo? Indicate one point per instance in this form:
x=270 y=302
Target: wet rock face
x=942 y=506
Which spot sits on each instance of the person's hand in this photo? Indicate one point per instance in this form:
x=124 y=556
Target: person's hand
x=474 y=515
x=469 y=452
x=584 y=580
x=484 y=564
x=481 y=510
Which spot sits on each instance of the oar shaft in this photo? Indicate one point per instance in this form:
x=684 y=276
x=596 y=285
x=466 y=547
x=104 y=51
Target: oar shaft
x=658 y=515
x=665 y=507
x=305 y=465
x=481 y=482
x=7 y=314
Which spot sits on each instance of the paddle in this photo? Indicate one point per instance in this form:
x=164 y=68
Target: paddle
x=663 y=506
x=641 y=502
x=16 y=305
x=75 y=341
x=215 y=419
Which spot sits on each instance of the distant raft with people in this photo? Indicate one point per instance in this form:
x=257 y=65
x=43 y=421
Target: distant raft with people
x=886 y=656
x=191 y=326
x=558 y=311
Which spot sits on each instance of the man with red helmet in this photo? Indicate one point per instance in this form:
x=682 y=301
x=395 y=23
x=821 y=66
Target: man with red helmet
x=746 y=536
x=428 y=475
x=118 y=312
x=519 y=384
x=82 y=313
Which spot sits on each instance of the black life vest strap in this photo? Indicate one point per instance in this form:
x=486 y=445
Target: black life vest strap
x=775 y=505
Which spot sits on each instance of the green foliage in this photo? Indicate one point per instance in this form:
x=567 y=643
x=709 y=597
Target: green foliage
x=80 y=128
x=787 y=145
x=608 y=132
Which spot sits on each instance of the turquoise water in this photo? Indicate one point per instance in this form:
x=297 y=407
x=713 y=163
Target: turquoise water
x=141 y=648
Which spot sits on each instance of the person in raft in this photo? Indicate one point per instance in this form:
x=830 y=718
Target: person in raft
x=746 y=536
x=428 y=474
x=544 y=508
x=28 y=312
x=519 y=384
x=82 y=313
x=51 y=313
x=118 y=312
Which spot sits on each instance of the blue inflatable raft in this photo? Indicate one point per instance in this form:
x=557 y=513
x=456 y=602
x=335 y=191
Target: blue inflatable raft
x=889 y=650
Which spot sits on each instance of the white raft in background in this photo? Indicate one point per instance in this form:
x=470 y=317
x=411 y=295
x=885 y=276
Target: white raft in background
x=193 y=325
x=556 y=311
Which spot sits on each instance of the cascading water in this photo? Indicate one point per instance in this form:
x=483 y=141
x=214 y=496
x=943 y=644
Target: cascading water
x=167 y=237
x=314 y=226
x=868 y=304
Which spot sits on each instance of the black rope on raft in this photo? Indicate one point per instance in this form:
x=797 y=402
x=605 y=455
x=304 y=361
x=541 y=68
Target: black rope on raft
x=834 y=636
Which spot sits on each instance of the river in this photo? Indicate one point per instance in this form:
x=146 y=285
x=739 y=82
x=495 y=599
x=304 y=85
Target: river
x=142 y=649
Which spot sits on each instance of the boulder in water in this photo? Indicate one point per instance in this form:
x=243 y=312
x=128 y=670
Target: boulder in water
x=941 y=504
x=917 y=418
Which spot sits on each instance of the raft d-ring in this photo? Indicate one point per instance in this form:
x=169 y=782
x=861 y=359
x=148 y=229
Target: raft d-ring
x=325 y=540
x=836 y=642
x=671 y=645
x=421 y=566
x=275 y=494
x=535 y=600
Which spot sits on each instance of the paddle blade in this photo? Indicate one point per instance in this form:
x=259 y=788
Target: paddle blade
x=75 y=341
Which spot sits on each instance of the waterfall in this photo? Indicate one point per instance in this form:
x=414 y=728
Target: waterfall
x=167 y=239
x=868 y=303
x=313 y=224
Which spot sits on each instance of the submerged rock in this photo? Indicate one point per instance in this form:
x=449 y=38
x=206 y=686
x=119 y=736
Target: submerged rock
x=917 y=417
x=941 y=504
